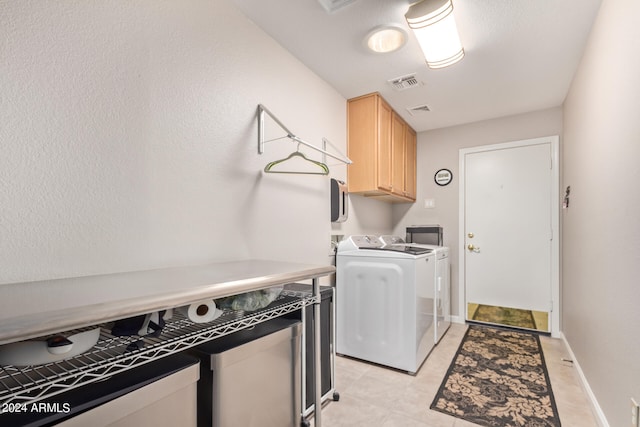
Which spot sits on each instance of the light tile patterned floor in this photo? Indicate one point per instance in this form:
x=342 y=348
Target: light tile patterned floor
x=374 y=396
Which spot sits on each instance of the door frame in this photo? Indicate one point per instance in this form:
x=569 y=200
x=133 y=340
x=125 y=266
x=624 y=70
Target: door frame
x=554 y=142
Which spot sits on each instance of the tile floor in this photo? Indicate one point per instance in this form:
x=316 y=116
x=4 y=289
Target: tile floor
x=374 y=396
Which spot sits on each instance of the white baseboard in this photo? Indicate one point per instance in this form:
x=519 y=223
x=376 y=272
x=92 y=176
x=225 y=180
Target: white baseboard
x=593 y=402
x=457 y=319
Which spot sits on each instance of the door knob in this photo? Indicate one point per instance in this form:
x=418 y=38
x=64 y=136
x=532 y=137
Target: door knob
x=473 y=248
x=470 y=235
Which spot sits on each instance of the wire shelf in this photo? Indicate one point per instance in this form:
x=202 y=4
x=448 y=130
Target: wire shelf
x=112 y=355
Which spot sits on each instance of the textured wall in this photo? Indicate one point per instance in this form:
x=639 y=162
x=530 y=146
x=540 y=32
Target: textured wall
x=601 y=231
x=128 y=134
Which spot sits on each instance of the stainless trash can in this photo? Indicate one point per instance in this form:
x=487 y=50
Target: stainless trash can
x=251 y=378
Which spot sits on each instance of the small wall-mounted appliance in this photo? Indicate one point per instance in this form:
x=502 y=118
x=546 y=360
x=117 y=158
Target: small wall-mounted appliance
x=339 y=201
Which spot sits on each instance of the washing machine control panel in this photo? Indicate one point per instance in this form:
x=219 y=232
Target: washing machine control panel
x=391 y=240
x=367 y=242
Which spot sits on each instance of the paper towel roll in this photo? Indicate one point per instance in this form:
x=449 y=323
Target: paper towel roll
x=27 y=353
x=201 y=312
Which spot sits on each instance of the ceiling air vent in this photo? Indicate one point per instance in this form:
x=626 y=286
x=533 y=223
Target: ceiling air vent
x=332 y=5
x=404 y=82
x=418 y=109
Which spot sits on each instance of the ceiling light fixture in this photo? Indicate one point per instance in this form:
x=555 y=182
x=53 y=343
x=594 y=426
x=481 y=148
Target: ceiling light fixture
x=385 y=39
x=435 y=28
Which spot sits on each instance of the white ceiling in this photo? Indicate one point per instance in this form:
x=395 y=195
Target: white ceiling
x=520 y=55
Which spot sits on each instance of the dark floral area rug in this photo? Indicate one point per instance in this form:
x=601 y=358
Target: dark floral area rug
x=498 y=378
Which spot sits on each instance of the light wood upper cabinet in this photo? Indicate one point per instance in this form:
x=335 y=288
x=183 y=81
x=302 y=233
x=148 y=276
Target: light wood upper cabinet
x=398 y=129
x=383 y=150
x=411 y=141
x=384 y=147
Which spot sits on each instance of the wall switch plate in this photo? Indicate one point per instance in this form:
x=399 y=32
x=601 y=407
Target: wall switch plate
x=634 y=413
x=429 y=203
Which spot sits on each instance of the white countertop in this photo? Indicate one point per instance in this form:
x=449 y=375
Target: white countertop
x=33 y=309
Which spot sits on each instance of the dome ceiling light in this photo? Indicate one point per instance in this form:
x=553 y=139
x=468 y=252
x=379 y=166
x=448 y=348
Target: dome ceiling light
x=385 y=39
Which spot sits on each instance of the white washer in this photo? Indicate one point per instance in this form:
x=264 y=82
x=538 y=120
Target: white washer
x=442 y=282
x=385 y=302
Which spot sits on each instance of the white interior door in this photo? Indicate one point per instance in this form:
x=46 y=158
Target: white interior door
x=507 y=225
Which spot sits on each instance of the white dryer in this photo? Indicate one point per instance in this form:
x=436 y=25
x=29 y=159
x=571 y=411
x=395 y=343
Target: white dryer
x=384 y=302
x=442 y=282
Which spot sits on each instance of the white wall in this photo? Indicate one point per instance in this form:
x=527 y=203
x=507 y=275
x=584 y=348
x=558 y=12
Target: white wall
x=601 y=230
x=363 y=220
x=439 y=149
x=129 y=140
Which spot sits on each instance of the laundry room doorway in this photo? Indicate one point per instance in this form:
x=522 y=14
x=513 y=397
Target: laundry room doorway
x=509 y=237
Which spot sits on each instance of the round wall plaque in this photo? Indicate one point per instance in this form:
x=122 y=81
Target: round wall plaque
x=443 y=177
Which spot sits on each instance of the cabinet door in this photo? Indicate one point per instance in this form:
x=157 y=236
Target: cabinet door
x=362 y=130
x=385 y=154
x=410 y=163
x=398 y=128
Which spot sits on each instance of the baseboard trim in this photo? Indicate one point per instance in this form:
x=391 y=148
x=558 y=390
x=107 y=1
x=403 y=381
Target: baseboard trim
x=593 y=402
x=457 y=319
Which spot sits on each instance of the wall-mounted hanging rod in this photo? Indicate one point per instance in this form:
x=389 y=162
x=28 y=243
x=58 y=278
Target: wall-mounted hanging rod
x=261 y=112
